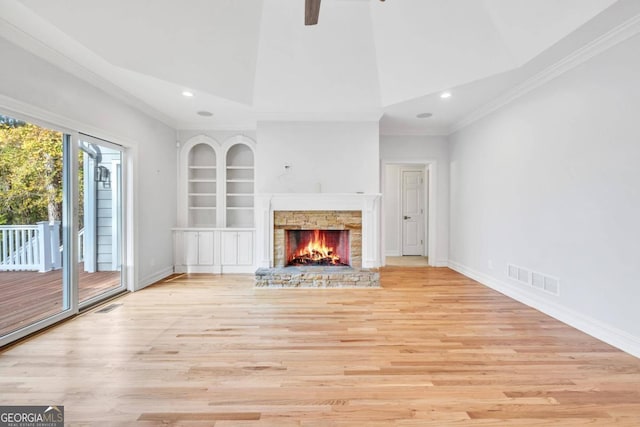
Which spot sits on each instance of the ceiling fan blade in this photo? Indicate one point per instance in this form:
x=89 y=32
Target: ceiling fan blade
x=311 y=12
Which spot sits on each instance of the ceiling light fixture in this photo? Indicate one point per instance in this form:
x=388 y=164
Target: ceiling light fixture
x=445 y=95
x=187 y=93
x=205 y=113
x=424 y=115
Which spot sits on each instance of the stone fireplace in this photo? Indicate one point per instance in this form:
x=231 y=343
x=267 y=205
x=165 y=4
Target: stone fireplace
x=286 y=223
x=345 y=253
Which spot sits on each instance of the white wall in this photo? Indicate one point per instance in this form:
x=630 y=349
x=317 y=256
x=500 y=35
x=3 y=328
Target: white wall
x=327 y=157
x=34 y=87
x=391 y=199
x=407 y=149
x=550 y=183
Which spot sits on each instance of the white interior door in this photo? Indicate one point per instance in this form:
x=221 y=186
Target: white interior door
x=412 y=212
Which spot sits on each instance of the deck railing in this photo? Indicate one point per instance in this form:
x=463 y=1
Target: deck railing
x=30 y=247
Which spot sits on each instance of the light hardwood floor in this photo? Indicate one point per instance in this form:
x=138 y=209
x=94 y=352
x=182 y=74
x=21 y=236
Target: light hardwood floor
x=430 y=348
x=28 y=296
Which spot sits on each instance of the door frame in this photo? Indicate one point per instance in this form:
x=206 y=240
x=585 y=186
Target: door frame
x=430 y=168
x=69 y=281
x=77 y=130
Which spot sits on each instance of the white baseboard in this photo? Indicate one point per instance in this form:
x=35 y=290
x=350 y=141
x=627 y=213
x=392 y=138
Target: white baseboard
x=207 y=269
x=392 y=253
x=597 y=329
x=238 y=269
x=153 y=278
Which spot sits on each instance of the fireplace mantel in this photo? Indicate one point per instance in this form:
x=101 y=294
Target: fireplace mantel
x=368 y=204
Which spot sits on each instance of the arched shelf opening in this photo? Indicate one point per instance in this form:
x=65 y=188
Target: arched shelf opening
x=240 y=185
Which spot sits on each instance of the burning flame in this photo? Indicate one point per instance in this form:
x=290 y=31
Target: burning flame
x=317 y=250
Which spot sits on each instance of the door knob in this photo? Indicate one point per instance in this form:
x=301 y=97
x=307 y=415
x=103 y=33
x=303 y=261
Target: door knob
x=407 y=217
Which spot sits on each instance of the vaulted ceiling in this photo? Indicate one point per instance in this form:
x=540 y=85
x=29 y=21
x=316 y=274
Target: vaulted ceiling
x=251 y=59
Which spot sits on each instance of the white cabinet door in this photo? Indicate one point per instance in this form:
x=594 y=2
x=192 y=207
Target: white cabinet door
x=205 y=248
x=245 y=247
x=229 y=248
x=237 y=247
x=190 y=248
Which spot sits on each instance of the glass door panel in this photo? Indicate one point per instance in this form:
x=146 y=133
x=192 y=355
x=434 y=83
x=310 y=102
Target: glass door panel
x=100 y=220
x=33 y=291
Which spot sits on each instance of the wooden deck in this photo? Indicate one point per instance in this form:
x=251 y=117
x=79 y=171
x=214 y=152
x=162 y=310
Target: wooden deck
x=429 y=348
x=26 y=297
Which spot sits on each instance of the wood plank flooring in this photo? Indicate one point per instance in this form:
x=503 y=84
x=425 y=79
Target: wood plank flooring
x=27 y=296
x=429 y=348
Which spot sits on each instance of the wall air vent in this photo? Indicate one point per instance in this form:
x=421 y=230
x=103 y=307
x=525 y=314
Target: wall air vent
x=518 y=273
x=540 y=281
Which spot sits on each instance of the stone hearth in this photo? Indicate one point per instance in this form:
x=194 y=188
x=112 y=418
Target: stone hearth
x=317 y=277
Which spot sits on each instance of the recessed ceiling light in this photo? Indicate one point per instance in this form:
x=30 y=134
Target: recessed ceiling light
x=445 y=95
x=205 y=113
x=187 y=93
x=424 y=115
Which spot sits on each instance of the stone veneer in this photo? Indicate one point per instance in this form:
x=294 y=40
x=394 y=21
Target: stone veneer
x=317 y=220
x=316 y=277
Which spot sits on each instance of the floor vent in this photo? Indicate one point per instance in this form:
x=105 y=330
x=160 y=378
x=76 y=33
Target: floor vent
x=108 y=308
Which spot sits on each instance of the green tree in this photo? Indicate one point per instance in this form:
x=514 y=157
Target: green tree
x=30 y=173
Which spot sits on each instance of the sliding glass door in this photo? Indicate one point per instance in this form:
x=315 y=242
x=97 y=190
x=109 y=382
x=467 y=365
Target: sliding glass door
x=35 y=178
x=100 y=220
x=61 y=225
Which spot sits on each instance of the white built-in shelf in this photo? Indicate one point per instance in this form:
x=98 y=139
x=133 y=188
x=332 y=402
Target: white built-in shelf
x=202 y=185
x=239 y=186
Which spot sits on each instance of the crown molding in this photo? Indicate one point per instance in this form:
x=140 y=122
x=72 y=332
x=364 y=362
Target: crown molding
x=622 y=32
x=429 y=131
x=321 y=116
x=226 y=126
x=35 y=35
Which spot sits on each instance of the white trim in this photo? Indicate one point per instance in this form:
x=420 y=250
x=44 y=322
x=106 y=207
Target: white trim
x=597 y=329
x=207 y=269
x=24 y=28
x=155 y=277
x=237 y=269
x=45 y=118
x=622 y=32
x=430 y=168
x=321 y=116
x=367 y=203
x=429 y=131
x=183 y=175
x=230 y=126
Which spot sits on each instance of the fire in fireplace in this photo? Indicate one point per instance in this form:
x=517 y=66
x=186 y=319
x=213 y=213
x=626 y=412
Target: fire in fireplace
x=317 y=247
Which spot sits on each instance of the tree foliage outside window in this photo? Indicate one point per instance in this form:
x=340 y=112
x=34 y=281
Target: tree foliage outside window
x=30 y=173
